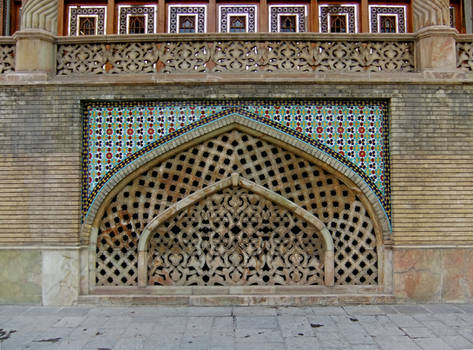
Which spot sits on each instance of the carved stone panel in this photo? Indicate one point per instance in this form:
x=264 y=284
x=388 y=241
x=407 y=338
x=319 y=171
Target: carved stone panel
x=235 y=237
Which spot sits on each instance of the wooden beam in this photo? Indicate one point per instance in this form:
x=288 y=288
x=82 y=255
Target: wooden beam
x=263 y=19
x=162 y=10
x=365 y=17
x=467 y=10
x=110 y=17
x=61 y=16
x=212 y=16
x=2 y=20
x=313 y=16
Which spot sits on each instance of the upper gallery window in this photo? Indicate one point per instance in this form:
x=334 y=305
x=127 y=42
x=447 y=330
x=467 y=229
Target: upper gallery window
x=237 y=24
x=187 y=23
x=87 y=20
x=338 y=23
x=87 y=25
x=338 y=18
x=387 y=24
x=237 y=18
x=187 y=18
x=137 y=19
x=388 y=19
x=287 y=23
x=136 y=25
x=287 y=18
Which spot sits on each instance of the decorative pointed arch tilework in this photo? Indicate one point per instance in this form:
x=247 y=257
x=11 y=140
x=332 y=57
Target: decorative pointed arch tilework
x=355 y=133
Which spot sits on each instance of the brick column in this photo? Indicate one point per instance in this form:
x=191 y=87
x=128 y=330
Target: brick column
x=435 y=49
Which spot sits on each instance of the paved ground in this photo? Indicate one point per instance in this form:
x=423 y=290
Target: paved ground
x=428 y=327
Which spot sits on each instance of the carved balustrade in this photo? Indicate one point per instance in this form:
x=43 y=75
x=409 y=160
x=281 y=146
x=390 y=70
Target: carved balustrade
x=220 y=53
x=7 y=55
x=235 y=53
x=465 y=53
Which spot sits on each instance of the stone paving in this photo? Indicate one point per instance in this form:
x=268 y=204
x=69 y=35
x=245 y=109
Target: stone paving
x=398 y=327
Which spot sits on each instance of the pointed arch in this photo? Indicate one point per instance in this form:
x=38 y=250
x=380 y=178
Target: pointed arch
x=236 y=181
x=219 y=128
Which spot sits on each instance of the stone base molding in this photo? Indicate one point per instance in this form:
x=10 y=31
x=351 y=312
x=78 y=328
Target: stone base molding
x=35 y=43
x=436 y=49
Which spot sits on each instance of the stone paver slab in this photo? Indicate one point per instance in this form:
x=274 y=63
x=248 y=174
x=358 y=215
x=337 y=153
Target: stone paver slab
x=260 y=346
x=418 y=332
x=432 y=344
x=457 y=342
x=411 y=309
x=328 y=310
x=397 y=342
x=294 y=326
x=259 y=322
x=403 y=320
x=364 y=310
x=443 y=308
x=254 y=311
x=258 y=335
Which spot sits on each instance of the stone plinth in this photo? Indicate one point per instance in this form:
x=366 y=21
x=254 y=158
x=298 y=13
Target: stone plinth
x=35 y=52
x=433 y=274
x=436 y=49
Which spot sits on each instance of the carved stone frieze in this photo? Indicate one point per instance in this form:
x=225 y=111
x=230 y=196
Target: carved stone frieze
x=133 y=58
x=75 y=59
x=7 y=58
x=366 y=56
x=465 y=56
x=185 y=57
x=236 y=56
x=235 y=237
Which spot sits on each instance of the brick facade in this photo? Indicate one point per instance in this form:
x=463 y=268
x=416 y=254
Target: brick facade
x=431 y=155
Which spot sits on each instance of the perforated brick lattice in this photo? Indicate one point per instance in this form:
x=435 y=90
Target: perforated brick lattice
x=271 y=166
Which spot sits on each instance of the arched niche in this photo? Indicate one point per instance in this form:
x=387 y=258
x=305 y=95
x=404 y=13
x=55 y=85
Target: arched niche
x=336 y=179
x=242 y=245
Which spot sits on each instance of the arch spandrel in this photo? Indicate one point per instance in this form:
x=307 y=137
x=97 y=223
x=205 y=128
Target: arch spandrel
x=240 y=122
x=271 y=163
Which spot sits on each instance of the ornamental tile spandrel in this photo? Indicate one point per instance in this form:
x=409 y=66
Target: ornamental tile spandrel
x=355 y=132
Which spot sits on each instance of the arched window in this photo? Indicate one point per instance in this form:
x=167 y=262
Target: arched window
x=136 y=25
x=237 y=24
x=86 y=25
x=288 y=24
x=187 y=24
x=338 y=24
x=387 y=24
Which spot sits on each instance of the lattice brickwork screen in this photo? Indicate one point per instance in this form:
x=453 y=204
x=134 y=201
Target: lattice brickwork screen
x=271 y=166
